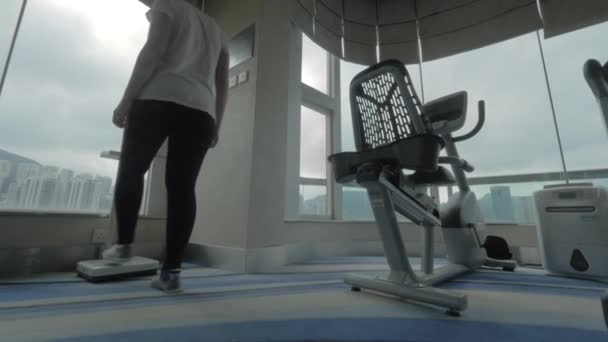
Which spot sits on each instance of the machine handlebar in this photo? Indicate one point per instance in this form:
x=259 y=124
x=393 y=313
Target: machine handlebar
x=482 y=119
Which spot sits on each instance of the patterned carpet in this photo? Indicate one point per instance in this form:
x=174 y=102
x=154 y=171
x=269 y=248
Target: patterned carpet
x=306 y=302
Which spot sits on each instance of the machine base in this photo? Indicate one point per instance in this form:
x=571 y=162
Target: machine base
x=97 y=271
x=415 y=291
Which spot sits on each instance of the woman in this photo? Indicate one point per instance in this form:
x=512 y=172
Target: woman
x=177 y=91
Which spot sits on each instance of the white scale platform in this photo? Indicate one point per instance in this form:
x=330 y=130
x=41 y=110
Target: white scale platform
x=101 y=270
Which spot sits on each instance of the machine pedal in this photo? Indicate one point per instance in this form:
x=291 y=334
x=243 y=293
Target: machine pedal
x=453 y=313
x=497 y=248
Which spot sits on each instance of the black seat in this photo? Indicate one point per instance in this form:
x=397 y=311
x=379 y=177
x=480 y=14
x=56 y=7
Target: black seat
x=391 y=129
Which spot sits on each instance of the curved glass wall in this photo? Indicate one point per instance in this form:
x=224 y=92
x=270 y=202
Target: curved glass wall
x=70 y=65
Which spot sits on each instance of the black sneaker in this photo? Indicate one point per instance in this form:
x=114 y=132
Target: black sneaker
x=168 y=282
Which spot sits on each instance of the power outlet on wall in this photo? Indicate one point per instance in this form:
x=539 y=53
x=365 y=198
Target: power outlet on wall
x=243 y=77
x=99 y=236
x=232 y=82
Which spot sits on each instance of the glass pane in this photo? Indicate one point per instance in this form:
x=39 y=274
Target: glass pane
x=514 y=202
x=313 y=200
x=8 y=20
x=508 y=203
x=347 y=72
x=313 y=145
x=56 y=109
x=241 y=46
x=582 y=127
x=517 y=137
x=355 y=205
x=315 y=65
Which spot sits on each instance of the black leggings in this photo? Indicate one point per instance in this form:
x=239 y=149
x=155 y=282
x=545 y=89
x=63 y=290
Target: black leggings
x=190 y=133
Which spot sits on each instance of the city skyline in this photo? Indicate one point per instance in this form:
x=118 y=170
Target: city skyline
x=498 y=206
x=28 y=185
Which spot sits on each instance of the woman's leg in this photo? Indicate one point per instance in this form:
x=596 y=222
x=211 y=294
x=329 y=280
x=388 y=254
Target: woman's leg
x=189 y=140
x=145 y=133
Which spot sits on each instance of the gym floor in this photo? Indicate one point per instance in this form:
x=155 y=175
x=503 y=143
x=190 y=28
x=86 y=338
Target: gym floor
x=303 y=302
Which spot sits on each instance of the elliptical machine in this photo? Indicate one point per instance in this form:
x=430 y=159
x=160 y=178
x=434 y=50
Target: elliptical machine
x=394 y=132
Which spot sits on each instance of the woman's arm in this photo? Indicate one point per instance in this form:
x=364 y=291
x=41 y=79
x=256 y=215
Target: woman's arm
x=148 y=61
x=221 y=88
x=221 y=84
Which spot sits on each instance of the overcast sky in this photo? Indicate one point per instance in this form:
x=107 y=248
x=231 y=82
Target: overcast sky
x=74 y=57
x=70 y=66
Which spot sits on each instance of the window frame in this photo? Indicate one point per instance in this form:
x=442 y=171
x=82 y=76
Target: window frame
x=150 y=207
x=328 y=105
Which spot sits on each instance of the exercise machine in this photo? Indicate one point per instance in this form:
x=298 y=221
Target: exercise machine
x=395 y=133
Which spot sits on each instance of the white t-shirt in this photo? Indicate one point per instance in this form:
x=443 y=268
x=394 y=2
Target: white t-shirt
x=187 y=72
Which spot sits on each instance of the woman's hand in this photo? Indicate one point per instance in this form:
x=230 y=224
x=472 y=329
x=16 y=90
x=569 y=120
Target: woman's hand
x=216 y=136
x=121 y=114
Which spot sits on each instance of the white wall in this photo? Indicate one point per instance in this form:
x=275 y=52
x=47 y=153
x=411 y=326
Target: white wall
x=224 y=183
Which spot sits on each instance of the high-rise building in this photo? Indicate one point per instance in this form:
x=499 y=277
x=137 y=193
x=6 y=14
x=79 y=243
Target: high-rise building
x=2 y=181
x=12 y=196
x=49 y=171
x=106 y=203
x=5 y=168
x=524 y=210
x=502 y=203
x=63 y=193
x=27 y=170
x=102 y=187
x=487 y=208
x=46 y=198
x=5 y=171
x=28 y=189
x=66 y=175
x=81 y=193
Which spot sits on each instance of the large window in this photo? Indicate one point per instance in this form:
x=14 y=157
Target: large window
x=583 y=130
x=70 y=65
x=315 y=65
x=313 y=162
x=318 y=106
x=517 y=151
x=517 y=137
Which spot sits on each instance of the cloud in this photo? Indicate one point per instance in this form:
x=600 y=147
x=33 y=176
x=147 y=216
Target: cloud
x=64 y=82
